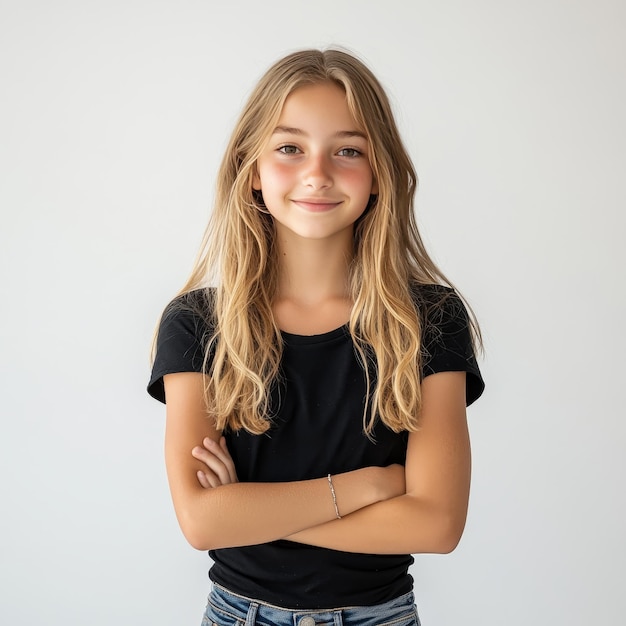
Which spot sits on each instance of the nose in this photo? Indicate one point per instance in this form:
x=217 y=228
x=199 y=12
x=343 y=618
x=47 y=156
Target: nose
x=318 y=172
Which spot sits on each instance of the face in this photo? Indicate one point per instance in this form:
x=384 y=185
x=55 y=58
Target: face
x=314 y=173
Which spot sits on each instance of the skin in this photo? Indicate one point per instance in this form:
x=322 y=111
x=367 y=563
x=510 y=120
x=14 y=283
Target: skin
x=316 y=181
x=314 y=172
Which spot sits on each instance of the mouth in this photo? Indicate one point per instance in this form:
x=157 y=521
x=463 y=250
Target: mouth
x=316 y=205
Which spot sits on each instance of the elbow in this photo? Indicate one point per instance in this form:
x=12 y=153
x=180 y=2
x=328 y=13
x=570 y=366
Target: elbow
x=437 y=530
x=436 y=527
x=448 y=533
x=447 y=544
x=205 y=521
x=197 y=537
x=197 y=530
x=197 y=540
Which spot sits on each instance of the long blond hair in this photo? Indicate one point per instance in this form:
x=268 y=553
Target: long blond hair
x=239 y=256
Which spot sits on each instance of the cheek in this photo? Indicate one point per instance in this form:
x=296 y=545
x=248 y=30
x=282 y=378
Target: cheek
x=361 y=181
x=275 y=176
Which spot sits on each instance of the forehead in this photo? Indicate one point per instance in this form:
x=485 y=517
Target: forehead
x=318 y=106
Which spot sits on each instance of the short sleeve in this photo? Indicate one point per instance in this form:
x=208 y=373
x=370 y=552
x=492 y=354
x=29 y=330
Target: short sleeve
x=183 y=335
x=446 y=337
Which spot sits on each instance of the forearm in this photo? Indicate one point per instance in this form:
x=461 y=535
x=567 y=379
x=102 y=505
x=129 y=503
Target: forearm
x=240 y=514
x=401 y=525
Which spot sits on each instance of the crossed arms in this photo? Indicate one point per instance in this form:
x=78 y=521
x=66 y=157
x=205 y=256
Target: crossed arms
x=421 y=507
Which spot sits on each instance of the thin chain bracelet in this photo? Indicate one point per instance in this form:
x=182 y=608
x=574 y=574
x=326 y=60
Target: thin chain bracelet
x=334 y=495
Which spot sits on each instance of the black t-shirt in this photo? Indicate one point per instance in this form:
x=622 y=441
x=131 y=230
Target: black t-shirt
x=317 y=429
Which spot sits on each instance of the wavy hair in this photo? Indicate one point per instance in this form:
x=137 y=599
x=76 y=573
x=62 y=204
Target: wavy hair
x=239 y=256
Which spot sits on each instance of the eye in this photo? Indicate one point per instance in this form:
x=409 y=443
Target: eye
x=288 y=149
x=349 y=152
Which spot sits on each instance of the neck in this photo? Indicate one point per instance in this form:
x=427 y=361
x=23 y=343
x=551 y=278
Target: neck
x=312 y=271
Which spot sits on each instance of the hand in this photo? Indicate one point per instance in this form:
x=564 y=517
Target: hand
x=220 y=469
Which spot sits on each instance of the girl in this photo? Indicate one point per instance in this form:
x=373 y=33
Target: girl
x=317 y=364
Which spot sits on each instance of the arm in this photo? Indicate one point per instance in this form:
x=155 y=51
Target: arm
x=236 y=514
x=430 y=517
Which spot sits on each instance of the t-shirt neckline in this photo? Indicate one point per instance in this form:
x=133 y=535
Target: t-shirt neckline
x=293 y=338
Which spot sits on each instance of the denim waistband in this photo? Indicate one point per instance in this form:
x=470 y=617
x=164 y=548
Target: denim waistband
x=226 y=608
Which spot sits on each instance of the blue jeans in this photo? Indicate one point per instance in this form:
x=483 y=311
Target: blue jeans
x=229 y=609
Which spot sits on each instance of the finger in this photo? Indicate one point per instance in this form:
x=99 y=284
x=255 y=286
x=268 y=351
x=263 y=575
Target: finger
x=215 y=468
x=230 y=465
x=203 y=480
x=207 y=479
x=220 y=451
x=213 y=480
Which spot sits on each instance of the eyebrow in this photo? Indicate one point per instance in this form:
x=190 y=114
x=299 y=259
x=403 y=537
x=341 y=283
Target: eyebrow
x=288 y=130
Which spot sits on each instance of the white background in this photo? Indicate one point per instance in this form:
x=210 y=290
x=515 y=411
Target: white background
x=114 y=116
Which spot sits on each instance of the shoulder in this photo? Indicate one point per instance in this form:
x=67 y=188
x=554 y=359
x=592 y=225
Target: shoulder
x=185 y=331
x=440 y=309
x=429 y=296
x=197 y=305
x=187 y=318
x=447 y=337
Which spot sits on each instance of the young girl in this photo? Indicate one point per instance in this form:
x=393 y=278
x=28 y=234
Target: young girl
x=317 y=364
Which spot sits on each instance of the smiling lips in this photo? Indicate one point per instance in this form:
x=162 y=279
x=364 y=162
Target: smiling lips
x=316 y=205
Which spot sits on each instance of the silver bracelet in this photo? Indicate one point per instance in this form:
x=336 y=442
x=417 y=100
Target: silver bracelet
x=334 y=495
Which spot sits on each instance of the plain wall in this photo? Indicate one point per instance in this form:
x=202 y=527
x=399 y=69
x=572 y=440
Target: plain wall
x=114 y=116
